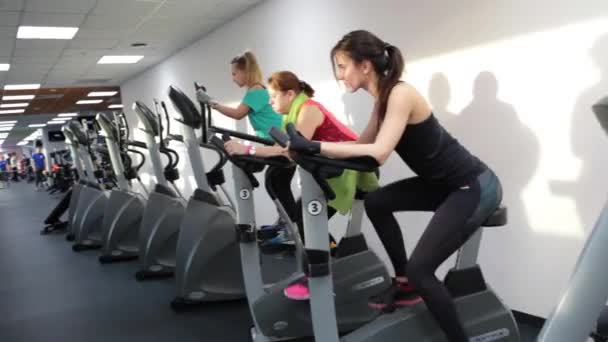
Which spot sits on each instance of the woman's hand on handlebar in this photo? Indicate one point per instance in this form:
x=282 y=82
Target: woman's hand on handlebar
x=235 y=147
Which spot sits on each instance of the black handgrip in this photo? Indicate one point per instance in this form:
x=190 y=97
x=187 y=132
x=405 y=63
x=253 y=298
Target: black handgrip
x=220 y=152
x=240 y=135
x=137 y=144
x=279 y=136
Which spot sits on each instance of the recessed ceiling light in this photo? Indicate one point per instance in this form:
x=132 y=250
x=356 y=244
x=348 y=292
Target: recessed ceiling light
x=17 y=97
x=115 y=106
x=21 y=86
x=62 y=115
x=56 y=122
x=89 y=102
x=102 y=93
x=5 y=67
x=7 y=125
x=22 y=143
x=8 y=122
x=12 y=111
x=46 y=32
x=14 y=105
x=3 y=135
x=119 y=59
x=36 y=125
x=61 y=119
x=5 y=129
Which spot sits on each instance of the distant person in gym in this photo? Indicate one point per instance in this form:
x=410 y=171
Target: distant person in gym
x=461 y=190
x=39 y=166
x=14 y=167
x=255 y=105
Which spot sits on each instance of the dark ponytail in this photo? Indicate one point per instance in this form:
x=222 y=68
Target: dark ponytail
x=386 y=59
x=287 y=80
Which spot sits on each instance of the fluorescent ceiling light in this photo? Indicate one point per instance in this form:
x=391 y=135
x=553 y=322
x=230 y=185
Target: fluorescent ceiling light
x=102 y=93
x=1 y=142
x=9 y=125
x=46 y=32
x=8 y=122
x=14 y=105
x=119 y=59
x=36 y=125
x=56 y=122
x=4 y=67
x=115 y=106
x=17 y=97
x=3 y=135
x=5 y=129
x=89 y=102
x=22 y=143
x=60 y=119
x=21 y=86
x=65 y=115
x=12 y=111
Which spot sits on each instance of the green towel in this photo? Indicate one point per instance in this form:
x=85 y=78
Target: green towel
x=344 y=186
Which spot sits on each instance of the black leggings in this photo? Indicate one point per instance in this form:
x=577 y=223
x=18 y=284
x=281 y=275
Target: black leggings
x=459 y=213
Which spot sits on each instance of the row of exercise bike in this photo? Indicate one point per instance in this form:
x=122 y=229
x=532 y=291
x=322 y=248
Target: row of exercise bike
x=209 y=243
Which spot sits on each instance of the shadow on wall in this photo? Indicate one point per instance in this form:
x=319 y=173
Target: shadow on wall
x=491 y=130
x=587 y=140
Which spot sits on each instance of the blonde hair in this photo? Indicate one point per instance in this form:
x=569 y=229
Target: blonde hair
x=249 y=64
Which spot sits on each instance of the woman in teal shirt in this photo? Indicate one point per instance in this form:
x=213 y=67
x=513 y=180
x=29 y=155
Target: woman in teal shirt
x=256 y=103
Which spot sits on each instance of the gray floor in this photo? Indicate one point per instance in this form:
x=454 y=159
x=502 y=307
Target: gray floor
x=48 y=293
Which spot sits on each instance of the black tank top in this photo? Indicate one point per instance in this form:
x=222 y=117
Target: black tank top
x=434 y=155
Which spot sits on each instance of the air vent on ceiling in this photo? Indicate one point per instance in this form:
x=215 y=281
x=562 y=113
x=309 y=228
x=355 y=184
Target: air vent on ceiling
x=93 y=80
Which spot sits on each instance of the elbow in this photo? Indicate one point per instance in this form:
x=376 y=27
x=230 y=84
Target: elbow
x=382 y=156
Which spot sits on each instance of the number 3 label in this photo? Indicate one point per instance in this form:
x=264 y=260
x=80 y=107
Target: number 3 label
x=315 y=208
x=244 y=194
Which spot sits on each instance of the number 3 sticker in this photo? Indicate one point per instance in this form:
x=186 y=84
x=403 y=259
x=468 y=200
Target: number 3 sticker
x=244 y=194
x=315 y=208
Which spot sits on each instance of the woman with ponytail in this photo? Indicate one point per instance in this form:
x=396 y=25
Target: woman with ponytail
x=255 y=105
x=293 y=98
x=451 y=182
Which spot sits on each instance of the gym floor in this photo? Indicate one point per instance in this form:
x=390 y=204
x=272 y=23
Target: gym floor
x=47 y=293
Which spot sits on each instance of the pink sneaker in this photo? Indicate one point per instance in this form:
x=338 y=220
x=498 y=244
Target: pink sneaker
x=297 y=291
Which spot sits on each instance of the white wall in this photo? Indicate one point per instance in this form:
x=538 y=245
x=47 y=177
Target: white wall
x=512 y=79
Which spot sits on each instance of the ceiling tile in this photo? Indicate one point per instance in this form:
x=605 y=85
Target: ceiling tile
x=101 y=34
x=180 y=9
x=14 y=77
x=129 y=7
x=231 y=9
x=10 y=19
x=11 y=5
x=115 y=21
x=51 y=44
x=63 y=6
x=6 y=47
x=8 y=32
x=52 y=19
x=35 y=60
x=93 y=43
x=37 y=52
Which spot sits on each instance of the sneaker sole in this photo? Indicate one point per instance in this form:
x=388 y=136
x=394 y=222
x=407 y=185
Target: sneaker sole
x=397 y=303
x=299 y=298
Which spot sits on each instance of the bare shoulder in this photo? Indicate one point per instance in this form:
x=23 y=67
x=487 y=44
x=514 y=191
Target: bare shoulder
x=407 y=96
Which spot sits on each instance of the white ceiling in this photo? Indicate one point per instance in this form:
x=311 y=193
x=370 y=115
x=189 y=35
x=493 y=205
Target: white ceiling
x=106 y=27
